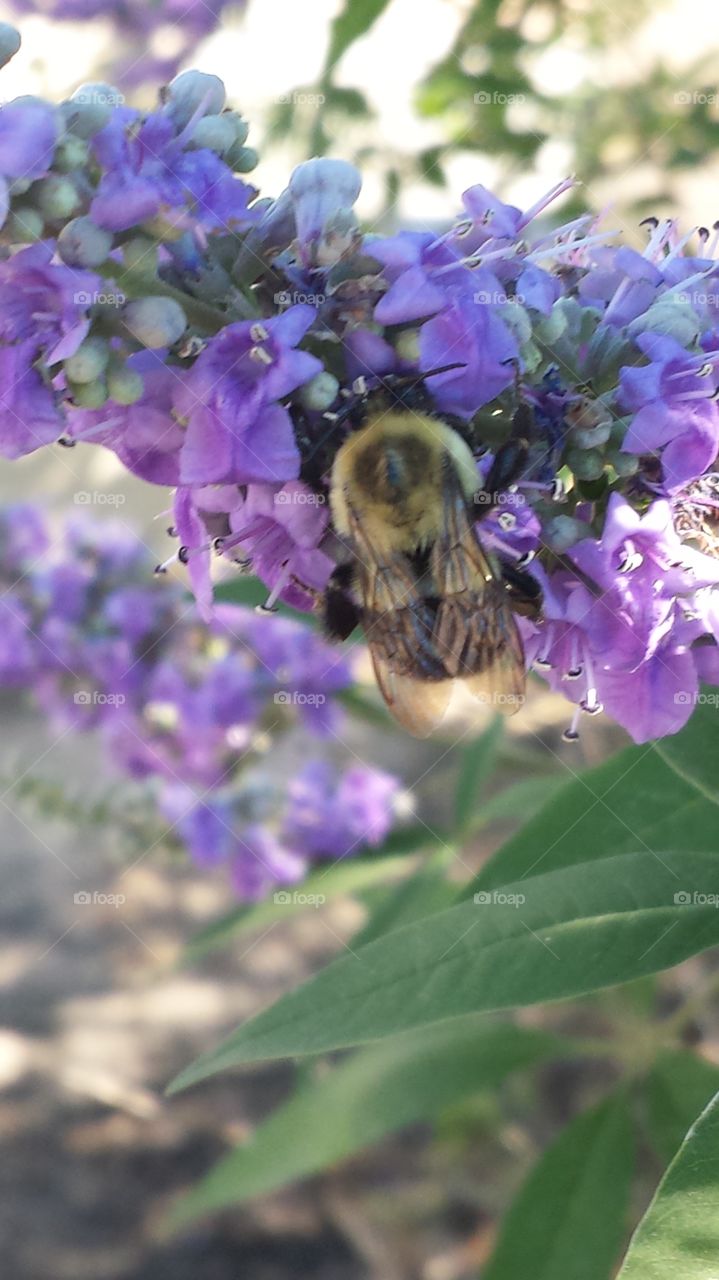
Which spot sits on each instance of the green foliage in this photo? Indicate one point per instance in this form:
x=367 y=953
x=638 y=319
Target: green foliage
x=613 y=879
x=370 y=1094
x=678 y=1089
x=679 y=1234
x=567 y=1222
x=574 y=932
x=488 y=94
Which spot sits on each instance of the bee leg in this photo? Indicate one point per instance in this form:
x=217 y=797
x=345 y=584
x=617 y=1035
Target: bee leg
x=525 y=593
x=340 y=614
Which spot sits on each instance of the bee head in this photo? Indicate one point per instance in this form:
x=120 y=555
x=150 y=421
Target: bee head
x=393 y=391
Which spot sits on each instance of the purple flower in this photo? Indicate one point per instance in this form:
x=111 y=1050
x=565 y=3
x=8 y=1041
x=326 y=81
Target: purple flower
x=28 y=134
x=330 y=816
x=475 y=337
x=625 y=645
x=145 y=436
x=24 y=538
x=675 y=414
x=147 y=173
x=261 y=861
x=216 y=835
x=20 y=651
x=279 y=529
x=236 y=429
x=43 y=319
x=322 y=192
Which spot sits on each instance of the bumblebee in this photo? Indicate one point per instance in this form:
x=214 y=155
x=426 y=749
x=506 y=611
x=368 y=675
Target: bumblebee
x=434 y=609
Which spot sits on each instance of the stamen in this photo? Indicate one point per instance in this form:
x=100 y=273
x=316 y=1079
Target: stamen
x=630 y=561
x=270 y=603
x=173 y=559
x=572 y=733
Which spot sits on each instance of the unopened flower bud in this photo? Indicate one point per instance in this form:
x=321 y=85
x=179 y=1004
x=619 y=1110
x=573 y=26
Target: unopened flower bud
x=671 y=317
x=71 y=153
x=81 y=243
x=155 y=322
x=242 y=159
x=140 y=255
x=24 y=225
x=217 y=133
x=320 y=392
x=9 y=42
x=562 y=532
x=625 y=464
x=89 y=361
x=587 y=464
x=551 y=327
x=90 y=108
x=190 y=90
x=89 y=395
x=124 y=385
x=240 y=126
x=517 y=320
x=56 y=197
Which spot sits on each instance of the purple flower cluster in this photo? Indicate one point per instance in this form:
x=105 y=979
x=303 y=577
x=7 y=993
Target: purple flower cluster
x=243 y=324
x=196 y=711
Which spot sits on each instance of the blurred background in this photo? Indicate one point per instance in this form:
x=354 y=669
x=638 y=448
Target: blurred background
x=99 y=1008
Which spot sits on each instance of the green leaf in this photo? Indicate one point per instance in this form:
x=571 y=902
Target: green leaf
x=636 y=800
x=679 y=1087
x=417 y=897
x=678 y=1237
x=354 y=21
x=370 y=1094
x=576 y=931
x=692 y=754
x=520 y=800
x=476 y=764
x=567 y=1222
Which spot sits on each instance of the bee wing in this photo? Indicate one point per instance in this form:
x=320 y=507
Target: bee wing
x=475 y=633
x=418 y=705
x=398 y=625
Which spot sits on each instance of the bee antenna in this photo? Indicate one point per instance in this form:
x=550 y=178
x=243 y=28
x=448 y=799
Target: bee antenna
x=443 y=368
x=412 y=379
